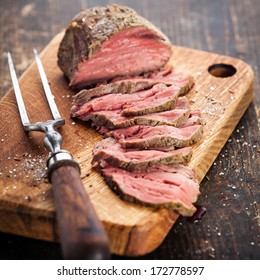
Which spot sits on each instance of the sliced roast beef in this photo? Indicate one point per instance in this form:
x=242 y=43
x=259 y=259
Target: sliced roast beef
x=134 y=84
x=173 y=186
x=158 y=98
x=115 y=119
x=194 y=118
x=102 y=43
x=109 y=151
x=122 y=86
x=122 y=54
x=157 y=137
x=170 y=77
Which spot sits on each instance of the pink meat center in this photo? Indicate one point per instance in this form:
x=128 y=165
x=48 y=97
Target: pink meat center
x=129 y=52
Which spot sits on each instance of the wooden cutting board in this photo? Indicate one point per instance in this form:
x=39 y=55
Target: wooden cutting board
x=26 y=201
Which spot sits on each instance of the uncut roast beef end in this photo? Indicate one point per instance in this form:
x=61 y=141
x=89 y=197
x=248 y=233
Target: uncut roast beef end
x=102 y=43
x=172 y=186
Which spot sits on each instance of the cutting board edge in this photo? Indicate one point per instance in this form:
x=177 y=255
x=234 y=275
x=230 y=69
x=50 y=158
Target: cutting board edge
x=46 y=229
x=224 y=133
x=142 y=238
x=41 y=226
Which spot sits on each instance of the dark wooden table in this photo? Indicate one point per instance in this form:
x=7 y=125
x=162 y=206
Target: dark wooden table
x=231 y=189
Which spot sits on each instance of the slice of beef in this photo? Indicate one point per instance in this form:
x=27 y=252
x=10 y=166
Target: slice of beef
x=174 y=187
x=109 y=151
x=160 y=137
x=194 y=118
x=115 y=119
x=128 y=85
x=102 y=43
x=169 y=76
x=158 y=98
x=134 y=84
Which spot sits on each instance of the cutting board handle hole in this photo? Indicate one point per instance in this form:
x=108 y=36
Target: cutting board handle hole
x=222 y=70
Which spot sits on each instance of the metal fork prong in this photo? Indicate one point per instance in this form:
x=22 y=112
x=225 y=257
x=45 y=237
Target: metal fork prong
x=47 y=90
x=18 y=94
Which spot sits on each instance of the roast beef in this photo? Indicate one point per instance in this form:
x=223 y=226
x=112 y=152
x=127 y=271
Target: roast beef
x=173 y=186
x=158 y=98
x=160 y=137
x=132 y=96
x=134 y=84
x=194 y=118
x=115 y=119
x=102 y=43
x=109 y=151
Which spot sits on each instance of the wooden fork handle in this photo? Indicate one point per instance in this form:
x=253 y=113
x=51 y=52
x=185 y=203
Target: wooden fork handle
x=82 y=235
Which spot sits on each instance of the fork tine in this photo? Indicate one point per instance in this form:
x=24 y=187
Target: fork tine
x=18 y=94
x=47 y=90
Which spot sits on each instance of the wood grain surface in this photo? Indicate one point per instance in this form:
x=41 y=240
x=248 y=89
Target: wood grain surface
x=230 y=229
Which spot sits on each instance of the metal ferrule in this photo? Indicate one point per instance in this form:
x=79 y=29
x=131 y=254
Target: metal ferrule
x=58 y=159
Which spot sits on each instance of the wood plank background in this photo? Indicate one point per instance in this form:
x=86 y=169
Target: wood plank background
x=230 y=229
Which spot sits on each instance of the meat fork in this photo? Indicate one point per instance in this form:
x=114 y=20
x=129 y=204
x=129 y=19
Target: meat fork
x=82 y=235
